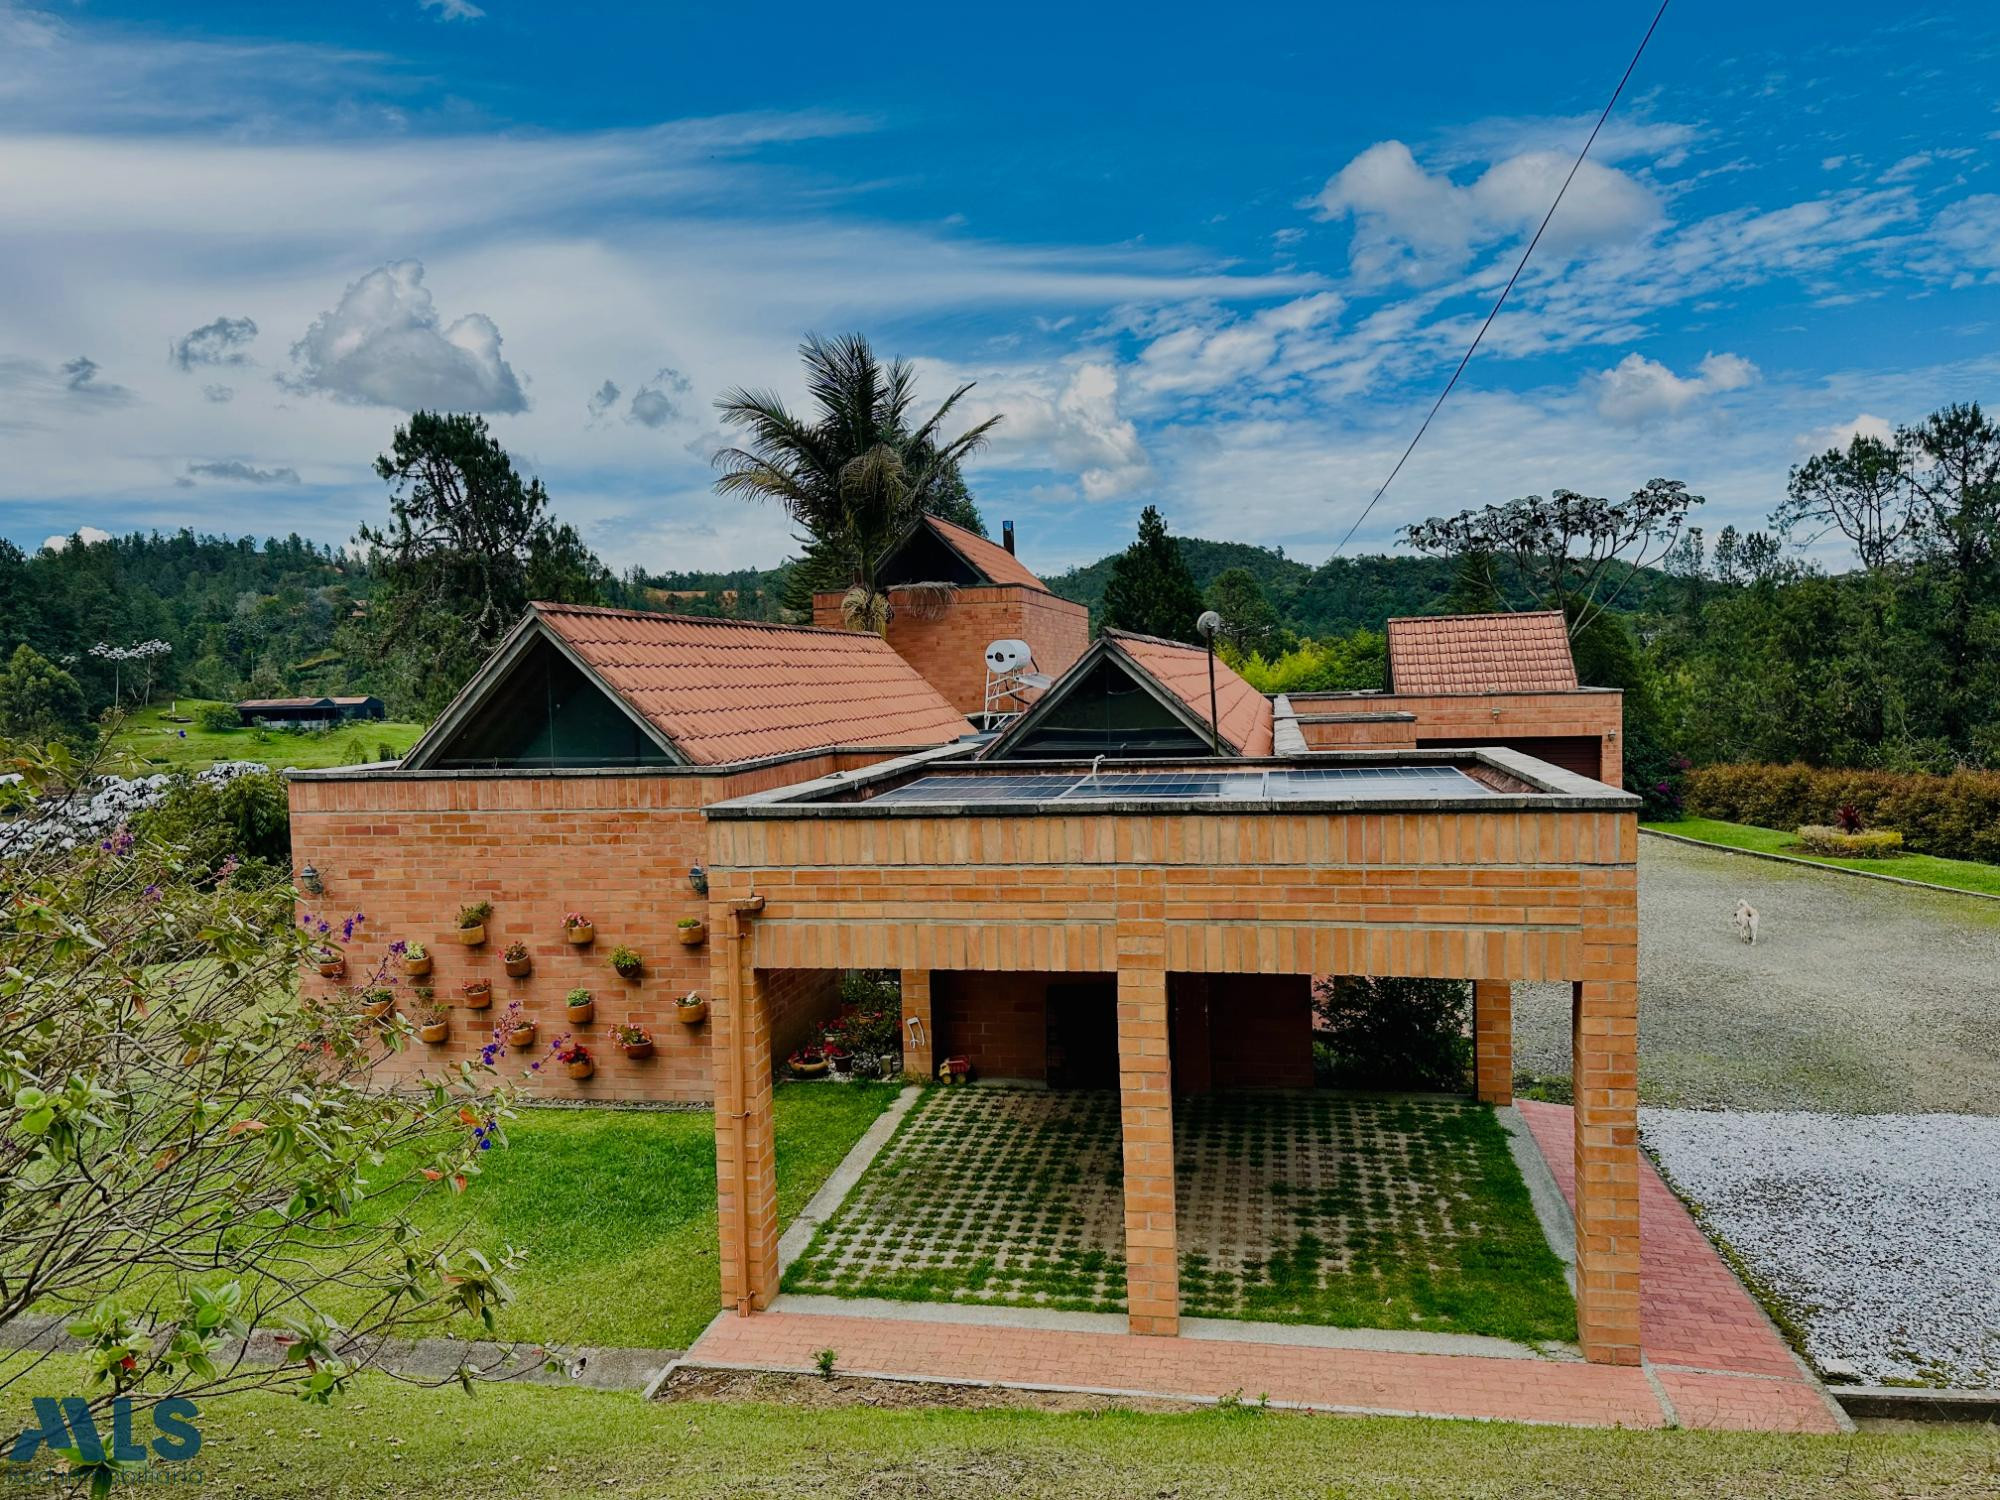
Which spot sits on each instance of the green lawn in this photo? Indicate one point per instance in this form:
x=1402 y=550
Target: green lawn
x=515 y=1441
x=616 y=1211
x=1958 y=874
x=149 y=735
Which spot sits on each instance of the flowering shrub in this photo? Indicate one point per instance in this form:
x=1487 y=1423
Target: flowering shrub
x=1956 y=816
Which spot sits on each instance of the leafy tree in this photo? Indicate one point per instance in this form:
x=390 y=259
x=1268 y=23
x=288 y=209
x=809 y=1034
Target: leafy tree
x=39 y=700
x=1857 y=491
x=857 y=474
x=1249 y=620
x=1563 y=549
x=188 y=1152
x=1150 y=590
x=468 y=545
x=1354 y=663
x=1393 y=1033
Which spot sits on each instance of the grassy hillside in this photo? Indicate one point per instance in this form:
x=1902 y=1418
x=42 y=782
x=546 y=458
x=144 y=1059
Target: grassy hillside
x=153 y=737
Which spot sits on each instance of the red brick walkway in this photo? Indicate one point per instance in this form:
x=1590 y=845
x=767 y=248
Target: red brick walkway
x=1708 y=1347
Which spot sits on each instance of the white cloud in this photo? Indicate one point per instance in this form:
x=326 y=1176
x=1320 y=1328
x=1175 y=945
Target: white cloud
x=1421 y=227
x=1967 y=237
x=1841 y=434
x=657 y=402
x=84 y=534
x=1638 y=390
x=384 y=345
x=1062 y=419
x=453 y=10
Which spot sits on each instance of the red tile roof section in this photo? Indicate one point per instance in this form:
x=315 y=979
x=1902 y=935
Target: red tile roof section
x=1244 y=713
x=735 y=690
x=990 y=558
x=1506 y=653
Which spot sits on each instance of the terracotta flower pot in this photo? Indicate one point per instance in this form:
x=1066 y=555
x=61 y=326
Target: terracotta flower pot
x=639 y=1051
x=629 y=971
x=579 y=936
x=692 y=936
x=433 y=1032
x=809 y=1069
x=580 y=1015
x=583 y=1067
x=336 y=969
x=473 y=936
x=692 y=1015
x=522 y=1037
x=477 y=995
x=417 y=967
x=376 y=1010
x=520 y=968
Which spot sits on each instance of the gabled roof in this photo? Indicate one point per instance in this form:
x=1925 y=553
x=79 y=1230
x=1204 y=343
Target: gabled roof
x=1176 y=674
x=991 y=561
x=715 y=692
x=1504 y=653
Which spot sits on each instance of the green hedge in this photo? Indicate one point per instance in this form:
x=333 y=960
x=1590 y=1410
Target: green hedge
x=1955 y=816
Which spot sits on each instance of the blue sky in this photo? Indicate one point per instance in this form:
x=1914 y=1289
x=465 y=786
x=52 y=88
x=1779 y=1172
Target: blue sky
x=1220 y=262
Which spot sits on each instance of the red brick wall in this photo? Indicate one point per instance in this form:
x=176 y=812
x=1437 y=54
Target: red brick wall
x=1000 y=1021
x=1241 y=1031
x=950 y=652
x=408 y=850
x=1487 y=718
x=799 y=1003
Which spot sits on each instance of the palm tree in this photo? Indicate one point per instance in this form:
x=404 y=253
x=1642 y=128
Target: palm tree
x=859 y=476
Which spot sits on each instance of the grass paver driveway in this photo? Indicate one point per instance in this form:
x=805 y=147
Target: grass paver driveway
x=1336 y=1209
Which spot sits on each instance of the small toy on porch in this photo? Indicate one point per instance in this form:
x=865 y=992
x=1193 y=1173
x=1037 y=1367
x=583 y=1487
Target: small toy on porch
x=955 y=1070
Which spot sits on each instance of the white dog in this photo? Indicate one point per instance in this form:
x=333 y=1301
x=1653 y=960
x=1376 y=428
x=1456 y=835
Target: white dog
x=1745 y=922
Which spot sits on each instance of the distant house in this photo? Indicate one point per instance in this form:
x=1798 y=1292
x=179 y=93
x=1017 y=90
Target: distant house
x=308 y=713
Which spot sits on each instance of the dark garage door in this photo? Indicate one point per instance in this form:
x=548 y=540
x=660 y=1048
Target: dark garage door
x=1573 y=752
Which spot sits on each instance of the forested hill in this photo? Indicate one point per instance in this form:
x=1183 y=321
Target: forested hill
x=1340 y=595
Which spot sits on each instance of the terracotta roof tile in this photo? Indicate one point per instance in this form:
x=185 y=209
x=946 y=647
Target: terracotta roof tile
x=734 y=690
x=1505 y=653
x=989 y=558
x=1244 y=713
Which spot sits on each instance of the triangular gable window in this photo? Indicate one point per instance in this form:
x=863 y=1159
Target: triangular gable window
x=1107 y=711
x=543 y=713
x=924 y=558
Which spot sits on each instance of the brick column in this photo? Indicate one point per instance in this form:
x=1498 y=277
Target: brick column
x=745 y=1165
x=919 y=1057
x=1604 y=1037
x=1493 y=1040
x=1145 y=1083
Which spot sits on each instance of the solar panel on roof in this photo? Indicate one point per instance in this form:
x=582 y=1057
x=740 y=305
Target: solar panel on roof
x=1372 y=781
x=1026 y=787
x=1293 y=784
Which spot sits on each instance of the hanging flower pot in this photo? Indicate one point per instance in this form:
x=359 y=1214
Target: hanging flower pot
x=521 y=1036
x=376 y=1004
x=578 y=929
x=331 y=963
x=416 y=960
x=626 y=962
x=691 y=1009
x=433 y=1032
x=477 y=993
x=516 y=958
x=635 y=1040
x=577 y=1061
x=472 y=923
x=580 y=1007
x=691 y=931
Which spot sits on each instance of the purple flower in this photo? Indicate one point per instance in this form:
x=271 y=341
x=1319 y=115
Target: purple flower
x=151 y=893
x=485 y=1145
x=347 y=927
x=398 y=948
x=183 y=733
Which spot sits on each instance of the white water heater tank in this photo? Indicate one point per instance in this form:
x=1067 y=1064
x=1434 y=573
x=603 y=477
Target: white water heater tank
x=1008 y=656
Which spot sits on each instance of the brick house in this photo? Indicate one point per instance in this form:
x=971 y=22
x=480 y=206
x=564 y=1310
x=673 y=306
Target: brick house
x=1131 y=886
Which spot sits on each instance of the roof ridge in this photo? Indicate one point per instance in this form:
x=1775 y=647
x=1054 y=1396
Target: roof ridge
x=546 y=606
x=1491 y=614
x=1154 y=640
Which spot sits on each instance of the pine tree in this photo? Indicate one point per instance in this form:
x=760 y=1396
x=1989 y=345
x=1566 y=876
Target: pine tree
x=1151 y=590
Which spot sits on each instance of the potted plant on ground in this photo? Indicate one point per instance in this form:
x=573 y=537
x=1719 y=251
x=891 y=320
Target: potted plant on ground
x=520 y=1033
x=519 y=964
x=377 y=1003
x=472 y=923
x=576 y=1058
x=476 y=994
x=626 y=961
x=578 y=929
x=580 y=1007
x=807 y=1062
x=433 y=1020
x=691 y=1009
x=330 y=961
x=838 y=1057
x=634 y=1038
x=416 y=959
x=692 y=932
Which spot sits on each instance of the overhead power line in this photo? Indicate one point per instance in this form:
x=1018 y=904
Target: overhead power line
x=1501 y=302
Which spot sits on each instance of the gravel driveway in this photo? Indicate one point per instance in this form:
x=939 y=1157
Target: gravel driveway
x=1880 y=1236
x=1859 y=998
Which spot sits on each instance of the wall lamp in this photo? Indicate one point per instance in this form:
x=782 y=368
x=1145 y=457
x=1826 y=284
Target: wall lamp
x=698 y=880
x=310 y=882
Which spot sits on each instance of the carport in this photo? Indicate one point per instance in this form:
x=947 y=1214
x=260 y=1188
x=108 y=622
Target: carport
x=1201 y=896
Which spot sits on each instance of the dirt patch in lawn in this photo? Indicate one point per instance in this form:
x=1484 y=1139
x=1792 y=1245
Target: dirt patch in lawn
x=812 y=1392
